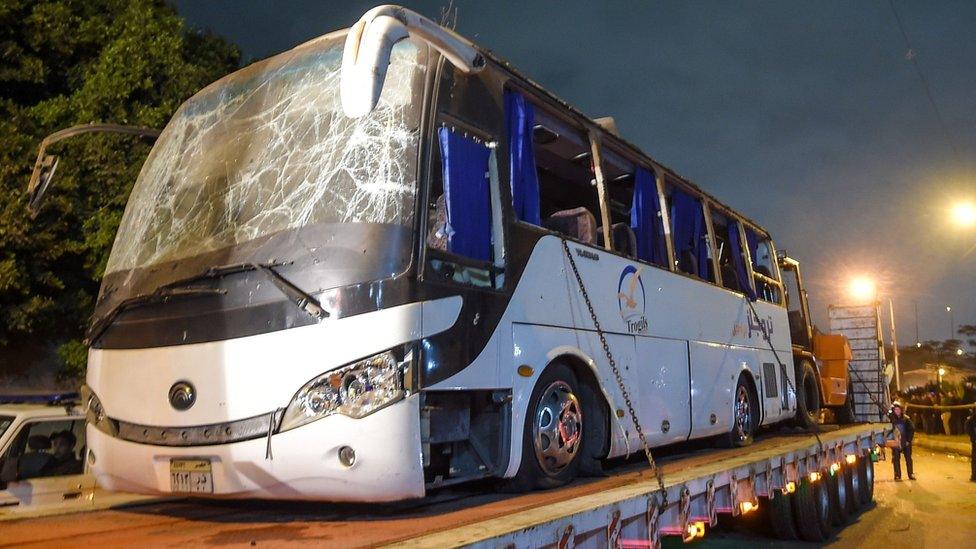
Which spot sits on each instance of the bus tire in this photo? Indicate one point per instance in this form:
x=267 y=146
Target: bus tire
x=781 y=521
x=865 y=470
x=853 y=478
x=837 y=486
x=552 y=437
x=745 y=414
x=811 y=509
x=807 y=396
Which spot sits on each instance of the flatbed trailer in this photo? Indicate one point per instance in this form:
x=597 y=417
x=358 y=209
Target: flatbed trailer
x=624 y=509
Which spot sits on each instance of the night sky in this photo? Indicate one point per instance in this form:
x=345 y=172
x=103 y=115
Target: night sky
x=807 y=117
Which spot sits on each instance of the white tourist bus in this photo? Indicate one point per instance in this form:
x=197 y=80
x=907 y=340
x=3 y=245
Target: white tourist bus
x=354 y=271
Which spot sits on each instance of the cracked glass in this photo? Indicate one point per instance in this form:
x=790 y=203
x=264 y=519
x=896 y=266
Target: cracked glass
x=265 y=161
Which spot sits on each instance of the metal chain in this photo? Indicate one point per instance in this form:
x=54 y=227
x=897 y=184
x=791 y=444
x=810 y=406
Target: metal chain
x=769 y=341
x=659 y=474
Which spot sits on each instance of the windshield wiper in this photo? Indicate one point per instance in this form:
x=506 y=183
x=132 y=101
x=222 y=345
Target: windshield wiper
x=304 y=300
x=160 y=294
x=296 y=295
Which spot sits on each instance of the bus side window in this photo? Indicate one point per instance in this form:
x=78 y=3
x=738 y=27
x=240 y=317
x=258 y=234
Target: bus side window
x=551 y=171
x=768 y=286
x=723 y=250
x=460 y=218
x=689 y=233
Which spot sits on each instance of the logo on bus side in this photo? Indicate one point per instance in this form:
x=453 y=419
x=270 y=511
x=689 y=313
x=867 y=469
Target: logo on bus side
x=754 y=325
x=631 y=301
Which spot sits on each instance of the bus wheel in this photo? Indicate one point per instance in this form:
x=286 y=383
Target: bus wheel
x=837 y=486
x=811 y=508
x=865 y=472
x=807 y=396
x=553 y=432
x=744 y=415
x=781 y=522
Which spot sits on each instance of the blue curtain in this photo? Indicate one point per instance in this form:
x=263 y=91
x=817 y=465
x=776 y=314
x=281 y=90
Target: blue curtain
x=689 y=232
x=645 y=219
x=524 y=180
x=752 y=239
x=467 y=195
x=735 y=245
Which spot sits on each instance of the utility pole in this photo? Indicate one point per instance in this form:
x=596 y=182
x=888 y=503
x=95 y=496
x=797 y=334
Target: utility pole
x=916 y=325
x=894 y=345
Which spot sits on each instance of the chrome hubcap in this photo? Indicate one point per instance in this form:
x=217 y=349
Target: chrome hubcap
x=558 y=427
x=743 y=413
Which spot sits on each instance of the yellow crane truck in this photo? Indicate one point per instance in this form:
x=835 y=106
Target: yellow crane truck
x=821 y=360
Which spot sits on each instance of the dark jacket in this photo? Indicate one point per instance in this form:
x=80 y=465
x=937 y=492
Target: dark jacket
x=971 y=427
x=905 y=426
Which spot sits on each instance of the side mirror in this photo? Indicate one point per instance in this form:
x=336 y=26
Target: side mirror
x=366 y=54
x=47 y=164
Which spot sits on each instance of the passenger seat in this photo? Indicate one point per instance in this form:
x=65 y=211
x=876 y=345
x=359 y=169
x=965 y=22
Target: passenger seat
x=577 y=223
x=623 y=237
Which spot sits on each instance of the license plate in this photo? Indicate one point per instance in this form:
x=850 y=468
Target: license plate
x=191 y=476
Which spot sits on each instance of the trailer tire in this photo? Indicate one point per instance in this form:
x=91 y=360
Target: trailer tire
x=545 y=429
x=811 y=509
x=865 y=470
x=853 y=479
x=807 y=396
x=837 y=486
x=780 y=516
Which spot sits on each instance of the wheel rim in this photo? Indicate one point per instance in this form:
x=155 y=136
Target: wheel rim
x=855 y=484
x=558 y=427
x=743 y=414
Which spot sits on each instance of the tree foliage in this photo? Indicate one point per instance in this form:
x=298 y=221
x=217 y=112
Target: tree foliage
x=67 y=62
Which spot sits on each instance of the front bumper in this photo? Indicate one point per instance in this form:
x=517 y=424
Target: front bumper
x=305 y=463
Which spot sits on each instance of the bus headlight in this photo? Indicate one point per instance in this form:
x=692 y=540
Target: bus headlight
x=356 y=390
x=95 y=413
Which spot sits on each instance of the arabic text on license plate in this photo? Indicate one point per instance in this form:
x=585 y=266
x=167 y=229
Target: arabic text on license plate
x=194 y=476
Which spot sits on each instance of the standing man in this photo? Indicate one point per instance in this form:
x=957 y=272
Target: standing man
x=904 y=433
x=971 y=431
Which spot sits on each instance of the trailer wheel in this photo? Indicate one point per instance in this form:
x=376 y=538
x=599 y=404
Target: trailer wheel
x=552 y=438
x=837 y=486
x=745 y=415
x=811 y=509
x=865 y=470
x=853 y=478
x=807 y=396
x=780 y=516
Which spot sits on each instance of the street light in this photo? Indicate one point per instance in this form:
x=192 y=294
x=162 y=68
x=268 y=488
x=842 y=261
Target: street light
x=959 y=352
x=862 y=289
x=964 y=214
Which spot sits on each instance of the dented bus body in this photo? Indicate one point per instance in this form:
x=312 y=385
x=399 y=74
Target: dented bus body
x=318 y=296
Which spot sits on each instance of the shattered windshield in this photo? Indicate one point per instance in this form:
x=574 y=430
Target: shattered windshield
x=267 y=152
